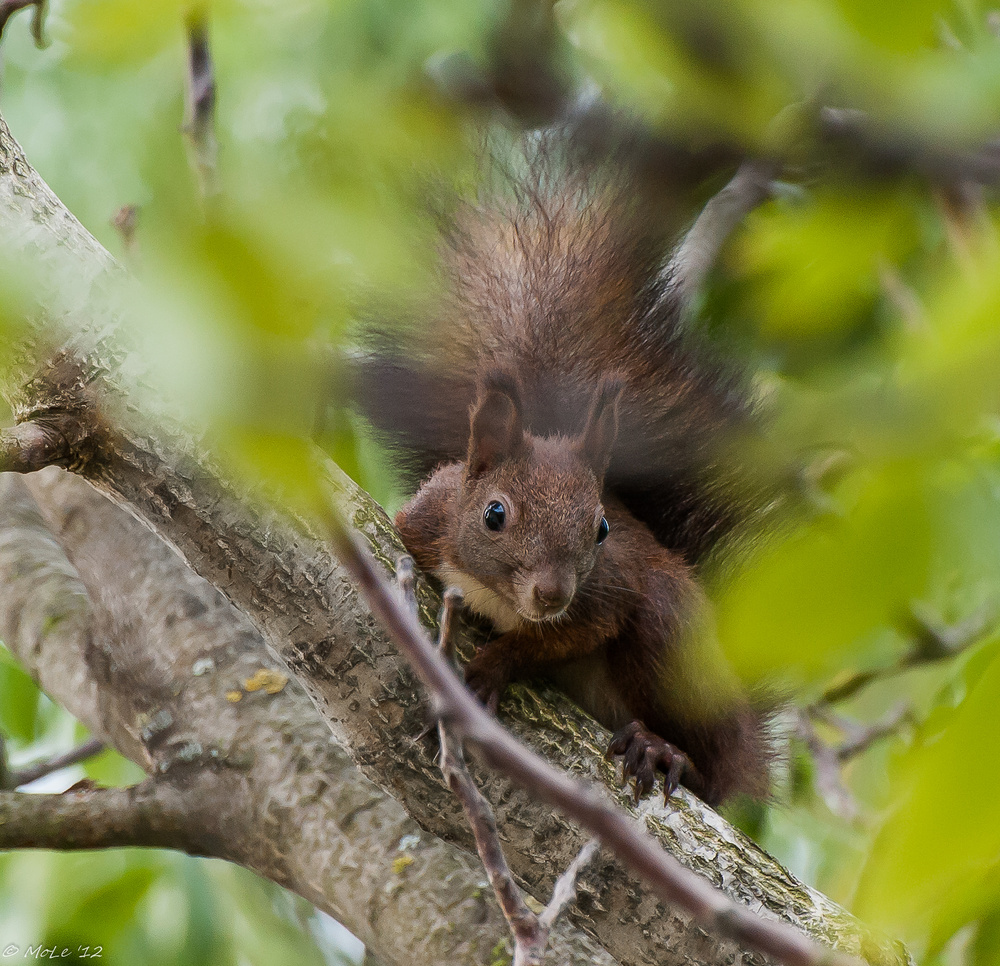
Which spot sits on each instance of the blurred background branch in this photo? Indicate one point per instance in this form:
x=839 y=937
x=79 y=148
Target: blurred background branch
x=9 y=7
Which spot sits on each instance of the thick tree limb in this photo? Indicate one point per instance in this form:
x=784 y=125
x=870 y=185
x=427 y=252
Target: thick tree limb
x=284 y=578
x=153 y=813
x=258 y=780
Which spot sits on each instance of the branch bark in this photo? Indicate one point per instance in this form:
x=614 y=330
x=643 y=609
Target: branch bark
x=460 y=714
x=153 y=813
x=283 y=577
x=114 y=626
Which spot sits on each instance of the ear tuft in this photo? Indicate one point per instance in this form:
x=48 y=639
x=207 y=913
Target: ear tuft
x=496 y=422
x=598 y=437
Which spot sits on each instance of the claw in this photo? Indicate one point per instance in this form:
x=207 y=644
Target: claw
x=487 y=677
x=644 y=753
x=633 y=759
x=673 y=778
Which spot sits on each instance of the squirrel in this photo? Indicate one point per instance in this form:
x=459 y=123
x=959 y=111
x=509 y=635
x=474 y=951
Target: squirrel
x=570 y=433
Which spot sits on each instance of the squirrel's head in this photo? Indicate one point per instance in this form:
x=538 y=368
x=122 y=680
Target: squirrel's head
x=530 y=522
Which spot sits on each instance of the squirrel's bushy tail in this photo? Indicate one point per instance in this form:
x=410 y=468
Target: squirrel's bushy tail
x=558 y=277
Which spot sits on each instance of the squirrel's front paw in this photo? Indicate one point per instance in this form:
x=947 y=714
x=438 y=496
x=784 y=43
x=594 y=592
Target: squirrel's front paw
x=644 y=753
x=487 y=676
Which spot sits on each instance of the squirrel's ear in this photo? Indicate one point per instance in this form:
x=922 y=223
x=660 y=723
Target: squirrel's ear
x=497 y=427
x=595 y=442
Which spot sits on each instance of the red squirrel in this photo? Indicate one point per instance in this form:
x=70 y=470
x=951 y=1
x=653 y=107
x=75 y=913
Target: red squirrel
x=574 y=431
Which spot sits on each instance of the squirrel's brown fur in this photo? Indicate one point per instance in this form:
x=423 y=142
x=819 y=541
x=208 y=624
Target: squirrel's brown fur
x=553 y=375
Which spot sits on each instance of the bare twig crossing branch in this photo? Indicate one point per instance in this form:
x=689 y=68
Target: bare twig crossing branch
x=458 y=710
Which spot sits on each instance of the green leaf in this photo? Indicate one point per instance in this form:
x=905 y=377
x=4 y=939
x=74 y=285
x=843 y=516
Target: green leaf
x=19 y=699
x=936 y=862
x=805 y=603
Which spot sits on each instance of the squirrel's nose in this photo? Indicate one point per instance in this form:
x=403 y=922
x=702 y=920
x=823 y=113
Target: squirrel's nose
x=552 y=593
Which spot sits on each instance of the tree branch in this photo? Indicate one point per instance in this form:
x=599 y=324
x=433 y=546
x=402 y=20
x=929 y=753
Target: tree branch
x=531 y=932
x=126 y=223
x=25 y=776
x=9 y=7
x=930 y=641
x=258 y=781
x=31 y=446
x=199 y=121
x=283 y=576
x=459 y=711
x=528 y=943
x=154 y=813
x=699 y=250
x=852 y=136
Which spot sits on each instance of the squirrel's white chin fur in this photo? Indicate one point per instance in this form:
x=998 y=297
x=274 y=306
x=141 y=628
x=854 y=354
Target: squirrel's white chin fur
x=503 y=614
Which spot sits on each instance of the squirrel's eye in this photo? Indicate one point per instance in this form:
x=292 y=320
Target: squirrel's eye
x=603 y=530
x=494 y=515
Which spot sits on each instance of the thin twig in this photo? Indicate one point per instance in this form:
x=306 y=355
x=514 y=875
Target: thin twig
x=935 y=640
x=9 y=7
x=25 y=776
x=966 y=222
x=522 y=921
x=858 y=738
x=827 y=777
x=902 y=297
x=930 y=641
x=451 y=601
x=125 y=222
x=406 y=581
x=564 y=892
x=199 y=120
x=829 y=759
x=618 y=832
x=531 y=932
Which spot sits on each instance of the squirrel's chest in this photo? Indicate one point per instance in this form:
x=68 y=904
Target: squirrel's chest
x=479 y=598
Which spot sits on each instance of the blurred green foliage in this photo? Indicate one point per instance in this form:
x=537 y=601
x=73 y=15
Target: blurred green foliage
x=867 y=299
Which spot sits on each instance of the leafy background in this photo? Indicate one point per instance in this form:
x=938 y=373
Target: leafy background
x=865 y=297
